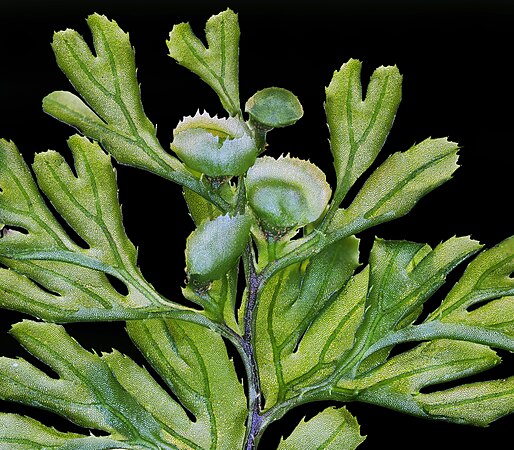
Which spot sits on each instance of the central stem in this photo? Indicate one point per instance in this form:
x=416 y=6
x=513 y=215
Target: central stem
x=254 y=428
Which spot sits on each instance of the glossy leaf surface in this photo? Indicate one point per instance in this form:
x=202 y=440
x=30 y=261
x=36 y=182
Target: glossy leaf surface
x=193 y=362
x=23 y=433
x=273 y=264
x=403 y=276
x=331 y=429
x=52 y=276
x=112 y=113
x=295 y=306
x=218 y=63
x=401 y=181
x=113 y=394
x=359 y=126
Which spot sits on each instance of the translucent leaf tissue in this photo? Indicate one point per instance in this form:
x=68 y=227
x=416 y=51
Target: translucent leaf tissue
x=273 y=267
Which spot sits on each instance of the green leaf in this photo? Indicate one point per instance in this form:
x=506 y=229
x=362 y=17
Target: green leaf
x=193 y=362
x=403 y=276
x=87 y=199
x=218 y=64
x=329 y=336
x=199 y=208
x=298 y=302
x=24 y=433
x=430 y=363
x=312 y=328
x=496 y=315
x=358 y=128
x=331 y=429
x=475 y=403
x=52 y=277
x=488 y=277
x=21 y=206
x=109 y=393
x=397 y=185
x=397 y=383
x=108 y=84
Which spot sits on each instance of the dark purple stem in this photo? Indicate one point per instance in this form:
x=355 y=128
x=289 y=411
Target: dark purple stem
x=254 y=420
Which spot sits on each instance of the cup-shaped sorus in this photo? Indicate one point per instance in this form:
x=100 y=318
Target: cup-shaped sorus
x=274 y=108
x=213 y=146
x=286 y=193
x=215 y=246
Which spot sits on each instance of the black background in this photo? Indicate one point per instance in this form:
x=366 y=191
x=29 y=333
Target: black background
x=456 y=60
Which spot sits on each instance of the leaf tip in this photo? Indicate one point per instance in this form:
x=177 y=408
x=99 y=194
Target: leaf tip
x=99 y=18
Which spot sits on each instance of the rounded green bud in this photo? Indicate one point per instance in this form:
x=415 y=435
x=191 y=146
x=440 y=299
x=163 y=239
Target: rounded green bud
x=215 y=147
x=215 y=246
x=274 y=108
x=287 y=192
